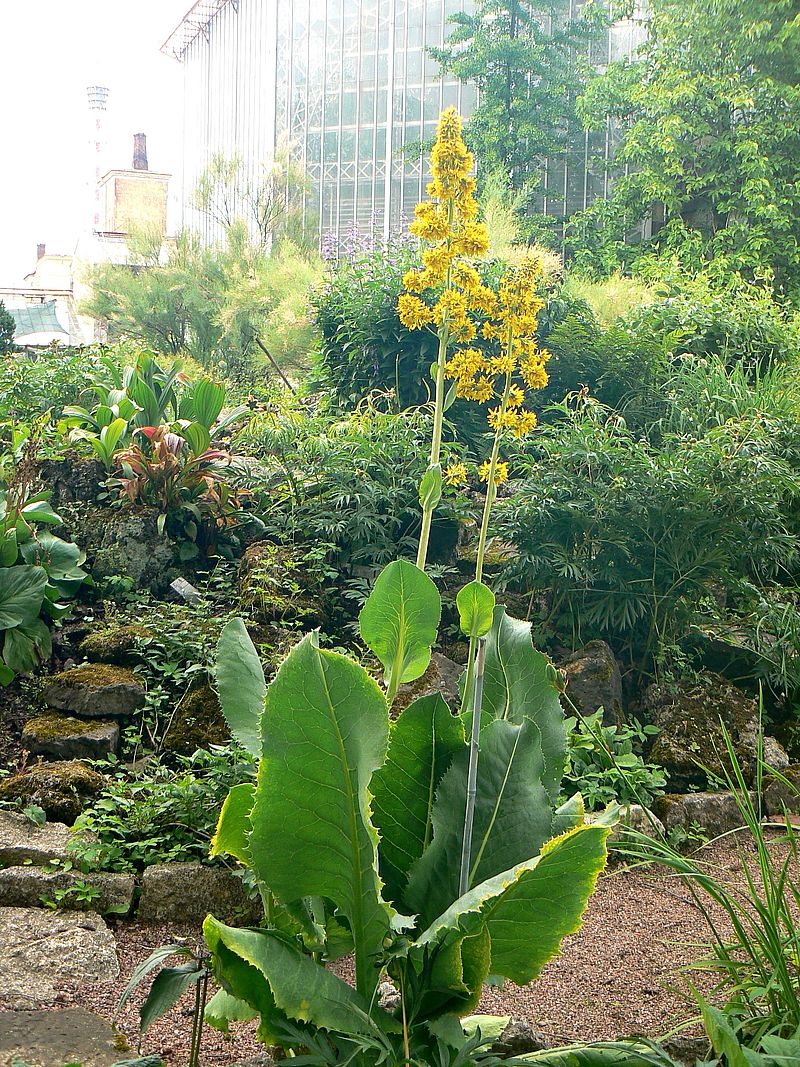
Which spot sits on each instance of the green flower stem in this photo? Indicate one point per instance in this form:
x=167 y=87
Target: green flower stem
x=438 y=418
x=491 y=488
x=472 y=773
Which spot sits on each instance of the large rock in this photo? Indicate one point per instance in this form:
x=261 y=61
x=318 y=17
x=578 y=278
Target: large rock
x=114 y=644
x=780 y=797
x=72 y=478
x=715 y=813
x=63 y=737
x=187 y=892
x=275 y=586
x=198 y=722
x=519 y=1037
x=62 y=789
x=594 y=681
x=441 y=677
x=22 y=841
x=40 y=949
x=51 y=1038
x=690 y=739
x=95 y=690
x=36 y=887
x=124 y=541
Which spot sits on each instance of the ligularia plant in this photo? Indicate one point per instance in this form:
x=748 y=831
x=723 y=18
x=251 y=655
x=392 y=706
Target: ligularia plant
x=432 y=859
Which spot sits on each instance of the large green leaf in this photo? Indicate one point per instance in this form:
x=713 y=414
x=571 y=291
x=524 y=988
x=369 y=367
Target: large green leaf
x=25 y=646
x=21 y=594
x=475 y=603
x=166 y=990
x=232 y=836
x=59 y=557
x=207 y=400
x=512 y=819
x=300 y=988
x=400 y=620
x=516 y=688
x=240 y=681
x=223 y=1009
x=422 y=744
x=529 y=909
x=325 y=730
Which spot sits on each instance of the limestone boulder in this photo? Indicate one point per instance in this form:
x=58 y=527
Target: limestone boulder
x=95 y=690
x=40 y=949
x=442 y=677
x=63 y=789
x=187 y=892
x=197 y=723
x=36 y=887
x=113 y=644
x=124 y=541
x=23 y=842
x=716 y=813
x=690 y=738
x=275 y=587
x=72 y=478
x=780 y=797
x=594 y=681
x=45 y=1038
x=63 y=737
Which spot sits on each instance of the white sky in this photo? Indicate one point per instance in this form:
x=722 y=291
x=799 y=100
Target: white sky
x=50 y=51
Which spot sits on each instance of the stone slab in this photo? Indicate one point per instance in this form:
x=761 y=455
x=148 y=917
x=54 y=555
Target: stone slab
x=21 y=841
x=40 y=949
x=95 y=690
x=717 y=813
x=31 y=887
x=63 y=737
x=52 y=1038
x=187 y=892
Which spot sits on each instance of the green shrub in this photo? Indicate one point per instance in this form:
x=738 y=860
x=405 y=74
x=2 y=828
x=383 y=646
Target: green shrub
x=630 y=539
x=350 y=483
x=604 y=763
x=164 y=814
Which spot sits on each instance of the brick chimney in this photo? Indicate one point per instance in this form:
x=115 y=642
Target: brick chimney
x=40 y=250
x=140 y=152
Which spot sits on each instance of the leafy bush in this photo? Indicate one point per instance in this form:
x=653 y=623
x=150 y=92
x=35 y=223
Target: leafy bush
x=38 y=570
x=165 y=813
x=30 y=385
x=612 y=297
x=630 y=539
x=350 y=483
x=604 y=763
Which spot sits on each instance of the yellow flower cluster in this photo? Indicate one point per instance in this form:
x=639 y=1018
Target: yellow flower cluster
x=448 y=222
x=500 y=472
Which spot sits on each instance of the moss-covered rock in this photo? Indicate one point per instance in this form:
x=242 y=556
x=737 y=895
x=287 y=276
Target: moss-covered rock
x=198 y=722
x=441 y=677
x=275 y=586
x=95 y=690
x=594 y=681
x=62 y=789
x=114 y=644
x=688 y=716
x=64 y=737
x=124 y=541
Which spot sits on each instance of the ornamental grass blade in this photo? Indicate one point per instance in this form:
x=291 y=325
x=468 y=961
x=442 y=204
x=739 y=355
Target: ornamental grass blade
x=241 y=686
x=400 y=620
x=512 y=820
x=529 y=909
x=422 y=743
x=325 y=731
x=516 y=688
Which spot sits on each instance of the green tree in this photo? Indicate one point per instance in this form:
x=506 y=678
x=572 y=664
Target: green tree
x=528 y=62
x=710 y=114
x=7 y=328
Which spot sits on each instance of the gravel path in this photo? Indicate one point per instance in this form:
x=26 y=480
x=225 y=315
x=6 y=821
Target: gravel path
x=619 y=975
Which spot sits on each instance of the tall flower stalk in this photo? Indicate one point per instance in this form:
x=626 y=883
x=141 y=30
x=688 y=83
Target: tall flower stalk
x=448 y=225
x=468 y=314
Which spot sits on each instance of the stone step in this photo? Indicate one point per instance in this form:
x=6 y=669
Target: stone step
x=65 y=737
x=40 y=949
x=48 y=1038
x=95 y=690
x=38 y=887
x=62 y=788
x=22 y=841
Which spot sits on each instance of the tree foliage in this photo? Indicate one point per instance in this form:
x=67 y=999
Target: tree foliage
x=529 y=65
x=710 y=113
x=7 y=329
